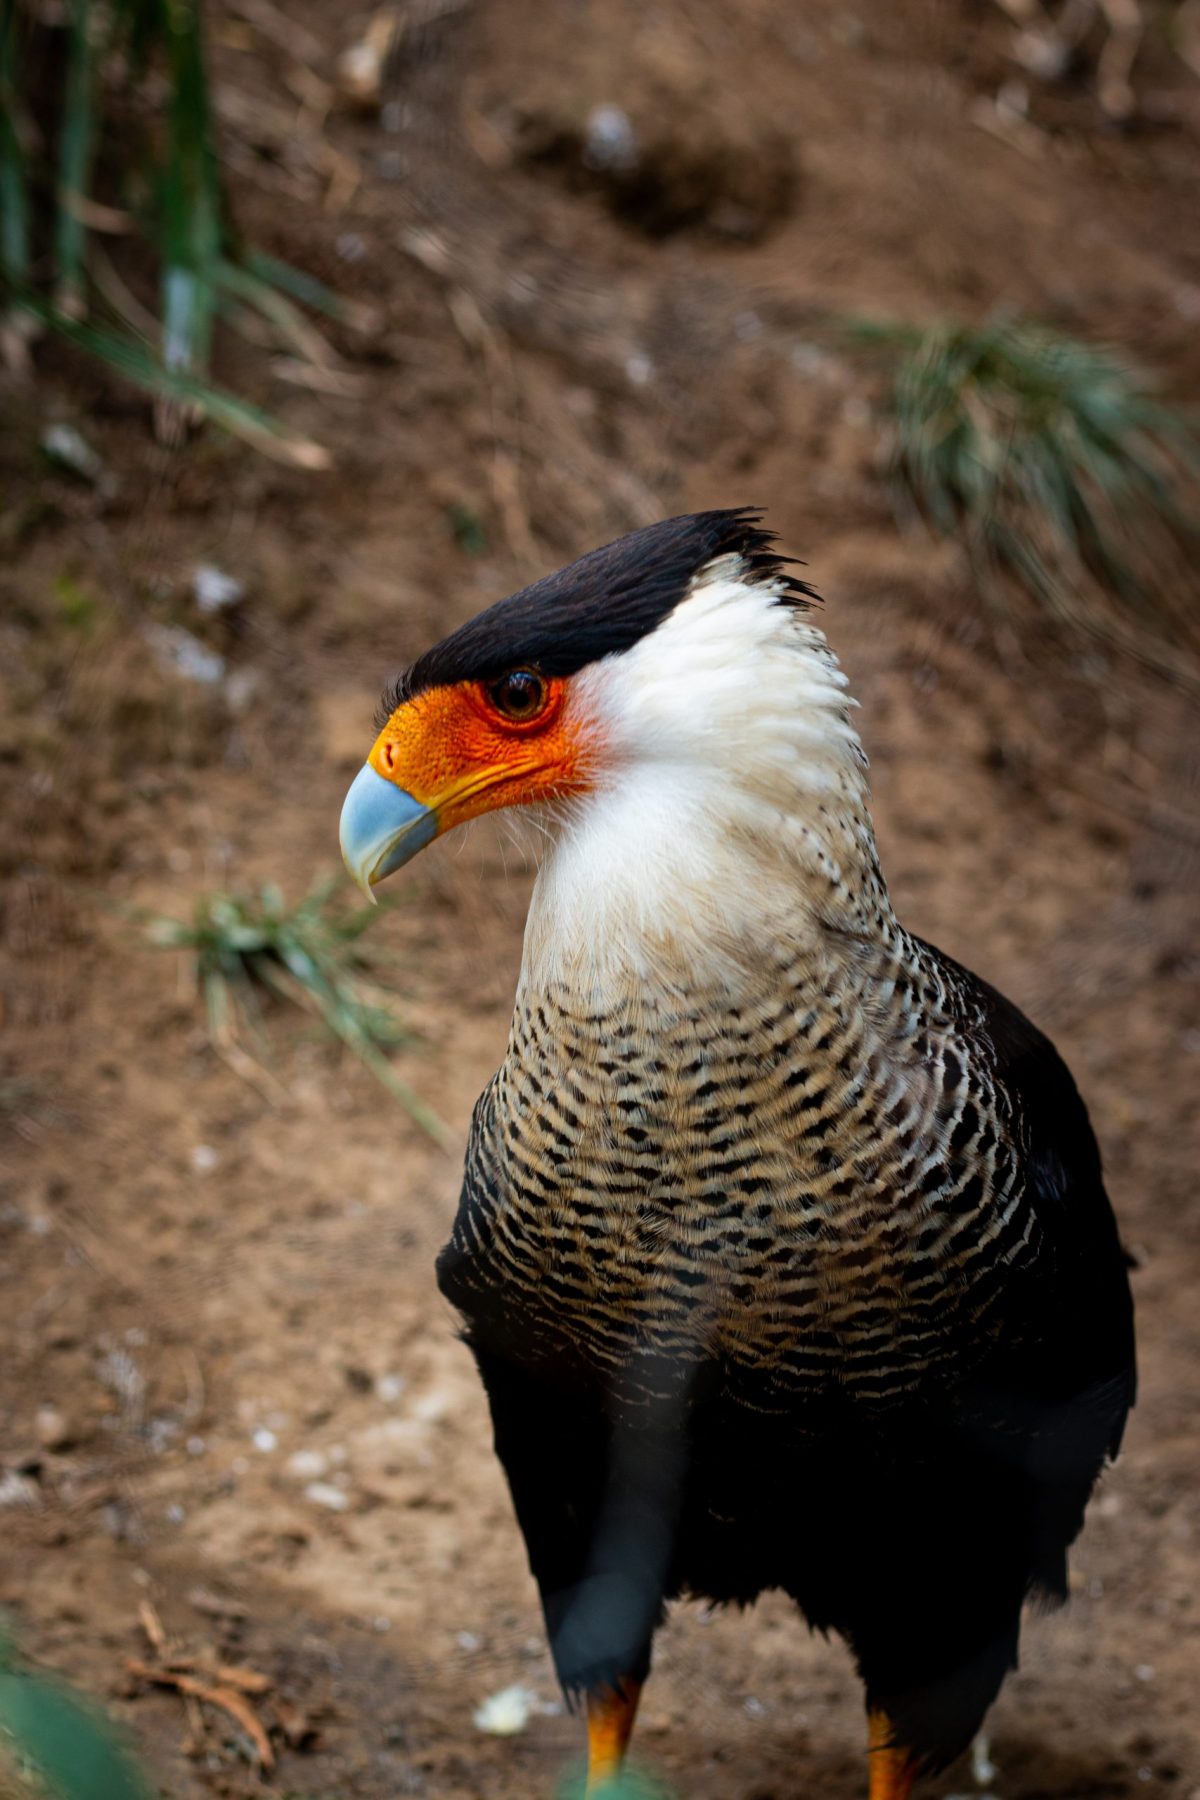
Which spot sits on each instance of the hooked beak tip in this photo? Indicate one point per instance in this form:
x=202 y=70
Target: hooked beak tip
x=381 y=828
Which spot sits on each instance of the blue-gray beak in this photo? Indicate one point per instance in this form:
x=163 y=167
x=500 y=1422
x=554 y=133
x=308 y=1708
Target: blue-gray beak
x=381 y=828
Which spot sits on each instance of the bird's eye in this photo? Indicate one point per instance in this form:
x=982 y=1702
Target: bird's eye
x=520 y=695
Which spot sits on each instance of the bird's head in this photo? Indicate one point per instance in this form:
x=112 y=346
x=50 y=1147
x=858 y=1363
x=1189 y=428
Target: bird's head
x=671 y=678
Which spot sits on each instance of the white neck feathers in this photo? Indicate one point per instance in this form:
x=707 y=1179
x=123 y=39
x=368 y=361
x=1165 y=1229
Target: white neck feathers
x=730 y=813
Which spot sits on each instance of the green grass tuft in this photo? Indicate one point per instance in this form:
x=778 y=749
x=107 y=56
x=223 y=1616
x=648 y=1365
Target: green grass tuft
x=1050 y=460
x=310 y=954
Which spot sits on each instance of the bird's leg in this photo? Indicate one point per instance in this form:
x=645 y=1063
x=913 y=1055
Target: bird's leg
x=610 y=1717
x=892 y=1768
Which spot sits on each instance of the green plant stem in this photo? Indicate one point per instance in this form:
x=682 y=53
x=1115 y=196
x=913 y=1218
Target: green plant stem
x=14 y=195
x=75 y=159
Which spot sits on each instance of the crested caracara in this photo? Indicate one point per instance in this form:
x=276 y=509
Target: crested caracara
x=783 y=1248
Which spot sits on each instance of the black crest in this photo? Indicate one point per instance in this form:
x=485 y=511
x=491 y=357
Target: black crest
x=600 y=605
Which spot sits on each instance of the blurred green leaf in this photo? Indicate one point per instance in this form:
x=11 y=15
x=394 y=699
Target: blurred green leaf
x=138 y=363
x=14 y=197
x=166 y=169
x=70 y=1745
x=467 y=529
x=191 y=199
x=631 y=1784
x=78 y=606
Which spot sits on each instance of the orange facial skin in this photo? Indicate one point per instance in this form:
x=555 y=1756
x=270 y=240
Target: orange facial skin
x=455 y=752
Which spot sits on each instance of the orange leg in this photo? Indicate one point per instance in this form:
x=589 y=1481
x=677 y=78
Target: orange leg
x=892 y=1770
x=610 y=1719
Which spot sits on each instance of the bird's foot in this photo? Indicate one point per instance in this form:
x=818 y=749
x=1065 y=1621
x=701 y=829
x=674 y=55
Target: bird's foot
x=610 y=1717
x=893 y=1770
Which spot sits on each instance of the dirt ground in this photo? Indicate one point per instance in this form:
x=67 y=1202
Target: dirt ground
x=225 y=1297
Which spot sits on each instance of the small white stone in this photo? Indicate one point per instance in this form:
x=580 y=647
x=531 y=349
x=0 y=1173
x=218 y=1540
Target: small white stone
x=204 y=1159
x=506 y=1713
x=308 y=1465
x=982 y=1766
x=196 y=1446
x=17 y=1490
x=323 y=1493
x=264 y=1440
x=214 y=589
x=64 y=444
x=52 y=1427
x=180 y=652
x=1145 y=1671
x=609 y=140
x=389 y=1388
x=242 y=688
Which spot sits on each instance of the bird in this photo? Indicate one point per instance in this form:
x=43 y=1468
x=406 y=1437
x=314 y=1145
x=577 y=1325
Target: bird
x=783 y=1249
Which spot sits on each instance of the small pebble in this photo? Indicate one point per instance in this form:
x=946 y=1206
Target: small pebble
x=17 y=1490
x=264 y=1440
x=309 y=1465
x=505 y=1713
x=610 y=141
x=323 y=1493
x=180 y=652
x=68 y=447
x=982 y=1766
x=52 y=1427
x=214 y=589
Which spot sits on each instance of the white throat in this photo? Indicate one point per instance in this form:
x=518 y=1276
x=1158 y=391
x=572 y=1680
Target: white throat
x=730 y=817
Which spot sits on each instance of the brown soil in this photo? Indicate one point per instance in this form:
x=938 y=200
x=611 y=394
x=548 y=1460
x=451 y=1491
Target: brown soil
x=207 y=1284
